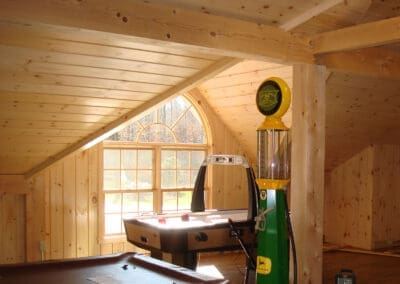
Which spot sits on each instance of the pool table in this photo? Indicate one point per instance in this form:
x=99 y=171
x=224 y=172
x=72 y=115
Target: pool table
x=184 y=235
x=122 y=268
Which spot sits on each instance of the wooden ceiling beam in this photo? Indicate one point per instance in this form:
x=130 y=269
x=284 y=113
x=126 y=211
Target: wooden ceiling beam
x=163 y=25
x=141 y=110
x=375 y=62
x=361 y=36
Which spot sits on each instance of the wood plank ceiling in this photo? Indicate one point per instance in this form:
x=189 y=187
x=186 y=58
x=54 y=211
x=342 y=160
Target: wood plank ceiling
x=68 y=81
x=57 y=88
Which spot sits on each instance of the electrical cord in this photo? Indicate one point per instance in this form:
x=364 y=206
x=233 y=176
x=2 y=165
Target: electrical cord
x=292 y=242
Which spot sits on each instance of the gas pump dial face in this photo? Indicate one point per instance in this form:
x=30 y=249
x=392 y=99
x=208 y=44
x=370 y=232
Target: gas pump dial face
x=273 y=97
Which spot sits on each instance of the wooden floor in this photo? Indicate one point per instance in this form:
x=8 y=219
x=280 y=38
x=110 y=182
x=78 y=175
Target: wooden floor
x=232 y=265
x=368 y=268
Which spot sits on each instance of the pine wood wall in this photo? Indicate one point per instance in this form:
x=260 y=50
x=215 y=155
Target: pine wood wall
x=229 y=184
x=362 y=199
x=386 y=196
x=61 y=204
x=348 y=201
x=63 y=210
x=12 y=227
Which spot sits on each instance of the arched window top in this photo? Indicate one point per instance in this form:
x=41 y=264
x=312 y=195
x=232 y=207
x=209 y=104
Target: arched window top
x=177 y=121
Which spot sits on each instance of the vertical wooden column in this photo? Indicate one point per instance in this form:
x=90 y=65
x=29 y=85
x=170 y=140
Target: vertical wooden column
x=308 y=163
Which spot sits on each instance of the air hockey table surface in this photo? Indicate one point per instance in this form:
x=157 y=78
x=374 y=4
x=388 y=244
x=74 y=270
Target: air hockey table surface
x=122 y=269
x=185 y=235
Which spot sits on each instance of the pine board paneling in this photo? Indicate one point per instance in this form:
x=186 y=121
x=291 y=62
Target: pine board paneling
x=385 y=206
x=56 y=211
x=82 y=204
x=94 y=175
x=33 y=55
x=69 y=204
x=74 y=98
x=47 y=215
x=63 y=207
x=12 y=228
x=35 y=221
x=106 y=248
x=228 y=183
x=38 y=116
x=349 y=195
x=362 y=199
x=61 y=108
x=17 y=36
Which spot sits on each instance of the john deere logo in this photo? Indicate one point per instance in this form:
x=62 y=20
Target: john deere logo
x=269 y=98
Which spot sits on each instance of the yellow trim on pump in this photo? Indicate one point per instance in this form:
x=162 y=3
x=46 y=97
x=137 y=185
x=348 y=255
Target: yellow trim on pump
x=277 y=184
x=272 y=123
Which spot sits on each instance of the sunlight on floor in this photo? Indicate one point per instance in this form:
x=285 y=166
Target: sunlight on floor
x=210 y=270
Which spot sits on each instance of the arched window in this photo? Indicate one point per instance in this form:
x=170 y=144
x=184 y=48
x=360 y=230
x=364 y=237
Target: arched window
x=151 y=165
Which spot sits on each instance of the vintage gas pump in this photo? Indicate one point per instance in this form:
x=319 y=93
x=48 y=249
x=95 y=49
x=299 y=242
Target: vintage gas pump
x=273 y=100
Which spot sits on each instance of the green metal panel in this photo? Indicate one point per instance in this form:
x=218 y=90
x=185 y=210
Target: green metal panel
x=272 y=247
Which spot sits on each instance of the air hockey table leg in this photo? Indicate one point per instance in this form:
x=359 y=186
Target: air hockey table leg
x=187 y=259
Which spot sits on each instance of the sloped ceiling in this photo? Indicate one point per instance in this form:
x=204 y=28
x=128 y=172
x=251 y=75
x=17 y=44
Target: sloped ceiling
x=72 y=72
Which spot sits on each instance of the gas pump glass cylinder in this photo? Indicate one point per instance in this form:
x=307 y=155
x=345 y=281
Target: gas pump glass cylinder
x=273 y=154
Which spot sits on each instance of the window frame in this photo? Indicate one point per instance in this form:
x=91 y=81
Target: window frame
x=206 y=147
x=157 y=190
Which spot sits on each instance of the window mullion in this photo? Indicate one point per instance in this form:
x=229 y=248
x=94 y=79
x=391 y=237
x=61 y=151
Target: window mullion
x=157 y=179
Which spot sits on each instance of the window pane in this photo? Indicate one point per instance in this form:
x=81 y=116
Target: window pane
x=193 y=177
x=145 y=159
x=169 y=202
x=128 y=159
x=111 y=180
x=189 y=129
x=171 y=111
x=157 y=133
x=148 y=119
x=113 y=223
x=183 y=179
x=129 y=133
x=111 y=159
x=168 y=159
x=145 y=202
x=197 y=159
x=128 y=179
x=168 y=179
x=130 y=202
x=184 y=200
x=145 y=179
x=112 y=203
x=183 y=159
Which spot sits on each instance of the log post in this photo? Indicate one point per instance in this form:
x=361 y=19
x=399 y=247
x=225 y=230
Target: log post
x=307 y=166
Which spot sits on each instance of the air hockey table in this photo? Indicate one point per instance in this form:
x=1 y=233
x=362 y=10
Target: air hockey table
x=184 y=235
x=123 y=269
